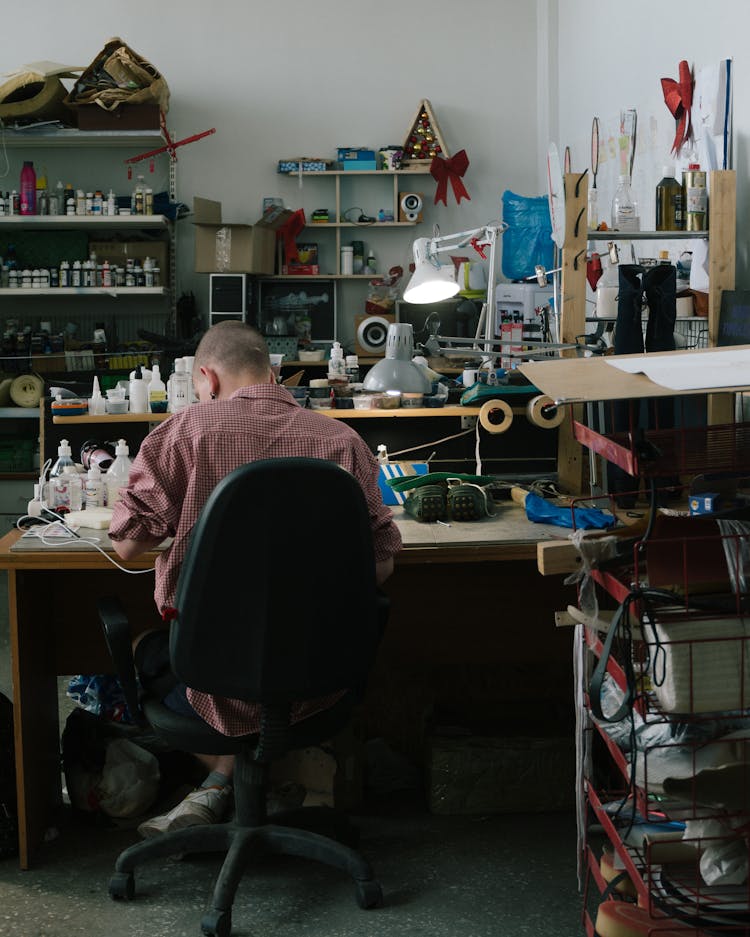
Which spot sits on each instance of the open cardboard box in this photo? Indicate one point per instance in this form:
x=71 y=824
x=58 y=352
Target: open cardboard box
x=235 y=248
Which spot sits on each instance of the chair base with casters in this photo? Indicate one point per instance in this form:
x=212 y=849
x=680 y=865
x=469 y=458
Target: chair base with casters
x=247 y=836
x=238 y=631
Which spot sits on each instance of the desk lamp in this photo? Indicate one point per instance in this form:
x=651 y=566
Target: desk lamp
x=432 y=282
x=397 y=371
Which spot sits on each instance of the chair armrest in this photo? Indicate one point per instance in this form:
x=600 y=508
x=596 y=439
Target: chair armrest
x=117 y=634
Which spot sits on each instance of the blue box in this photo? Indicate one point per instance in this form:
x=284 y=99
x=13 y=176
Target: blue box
x=706 y=503
x=358 y=159
x=398 y=470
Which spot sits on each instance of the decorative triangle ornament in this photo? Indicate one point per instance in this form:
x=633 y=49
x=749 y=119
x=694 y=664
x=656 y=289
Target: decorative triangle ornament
x=424 y=141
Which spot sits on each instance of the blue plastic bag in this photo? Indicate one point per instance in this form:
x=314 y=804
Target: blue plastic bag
x=544 y=512
x=528 y=240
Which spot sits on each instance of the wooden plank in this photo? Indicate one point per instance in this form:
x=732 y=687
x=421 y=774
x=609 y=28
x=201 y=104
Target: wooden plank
x=570 y=461
x=722 y=212
x=557 y=557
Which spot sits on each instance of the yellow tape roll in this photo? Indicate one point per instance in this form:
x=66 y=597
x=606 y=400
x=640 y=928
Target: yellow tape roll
x=5 y=391
x=495 y=416
x=26 y=390
x=542 y=412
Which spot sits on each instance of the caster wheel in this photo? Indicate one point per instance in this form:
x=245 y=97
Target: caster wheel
x=122 y=886
x=369 y=894
x=217 y=923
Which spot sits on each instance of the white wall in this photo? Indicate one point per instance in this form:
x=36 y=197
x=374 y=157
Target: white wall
x=504 y=78
x=285 y=79
x=612 y=58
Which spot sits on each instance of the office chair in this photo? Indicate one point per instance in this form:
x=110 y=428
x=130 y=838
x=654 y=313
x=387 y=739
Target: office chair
x=276 y=602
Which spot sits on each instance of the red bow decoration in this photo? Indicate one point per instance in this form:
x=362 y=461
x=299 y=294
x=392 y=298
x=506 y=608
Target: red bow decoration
x=678 y=96
x=442 y=170
x=293 y=226
x=594 y=270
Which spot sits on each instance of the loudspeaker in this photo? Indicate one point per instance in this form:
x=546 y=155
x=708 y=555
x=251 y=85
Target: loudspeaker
x=410 y=206
x=228 y=296
x=371 y=332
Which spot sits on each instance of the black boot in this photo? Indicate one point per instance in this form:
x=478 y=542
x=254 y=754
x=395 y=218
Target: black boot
x=660 y=286
x=628 y=340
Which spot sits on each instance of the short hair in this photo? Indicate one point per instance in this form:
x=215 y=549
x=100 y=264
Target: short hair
x=234 y=347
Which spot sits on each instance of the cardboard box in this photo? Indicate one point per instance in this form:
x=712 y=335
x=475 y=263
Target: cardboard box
x=483 y=774
x=123 y=117
x=235 y=248
x=118 y=252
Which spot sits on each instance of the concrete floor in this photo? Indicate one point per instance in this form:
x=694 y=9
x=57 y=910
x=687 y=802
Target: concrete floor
x=485 y=876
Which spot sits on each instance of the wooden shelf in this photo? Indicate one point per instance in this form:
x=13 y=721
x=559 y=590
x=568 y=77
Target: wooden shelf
x=113 y=418
x=83 y=291
x=56 y=222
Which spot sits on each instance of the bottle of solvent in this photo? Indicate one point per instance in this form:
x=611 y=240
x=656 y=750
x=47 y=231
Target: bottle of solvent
x=93 y=488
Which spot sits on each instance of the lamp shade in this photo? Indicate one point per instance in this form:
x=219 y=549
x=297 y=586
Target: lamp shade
x=397 y=371
x=430 y=282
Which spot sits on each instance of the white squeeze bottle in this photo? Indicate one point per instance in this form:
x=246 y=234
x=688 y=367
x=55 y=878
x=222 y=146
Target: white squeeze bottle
x=93 y=488
x=157 y=391
x=178 y=392
x=118 y=472
x=138 y=393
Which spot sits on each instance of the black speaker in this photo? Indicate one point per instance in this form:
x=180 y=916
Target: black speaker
x=228 y=296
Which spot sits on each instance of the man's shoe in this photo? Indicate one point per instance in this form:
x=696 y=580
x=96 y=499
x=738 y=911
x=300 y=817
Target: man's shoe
x=203 y=806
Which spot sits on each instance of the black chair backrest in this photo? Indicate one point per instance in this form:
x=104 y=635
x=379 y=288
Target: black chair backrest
x=277 y=599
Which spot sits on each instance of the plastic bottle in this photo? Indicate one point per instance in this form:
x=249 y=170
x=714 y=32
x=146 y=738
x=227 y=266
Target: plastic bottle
x=695 y=198
x=179 y=393
x=97 y=403
x=136 y=202
x=383 y=454
x=75 y=274
x=624 y=207
x=80 y=202
x=157 y=392
x=347 y=261
x=111 y=208
x=607 y=288
x=42 y=196
x=118 y=472
x=64 y=458
x=93 y=488
x=372 y=264
x=57 y=200
x=66 y=490
x=28 y=189
x=352 y=368
x=668 y=202
x=138 y=393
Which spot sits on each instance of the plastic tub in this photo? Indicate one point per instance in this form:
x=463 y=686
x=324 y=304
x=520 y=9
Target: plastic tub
x=412 y=400
x=363 y=402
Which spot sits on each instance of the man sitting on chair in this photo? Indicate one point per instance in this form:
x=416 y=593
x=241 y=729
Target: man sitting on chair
x=242 y=415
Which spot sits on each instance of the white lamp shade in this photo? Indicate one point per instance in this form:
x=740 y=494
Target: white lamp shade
x=430 y=281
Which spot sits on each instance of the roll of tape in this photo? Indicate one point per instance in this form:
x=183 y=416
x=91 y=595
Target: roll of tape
x=542 y=412
x=26 y=390
x=495 y=416
x=5 y=391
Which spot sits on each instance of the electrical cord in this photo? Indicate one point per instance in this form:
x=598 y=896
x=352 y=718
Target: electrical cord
x=55 y=521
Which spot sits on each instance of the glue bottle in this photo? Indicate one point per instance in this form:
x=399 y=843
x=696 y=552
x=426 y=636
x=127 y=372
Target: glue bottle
x=93 y=488
x=383 y=454
x=138 y=393
x=64 y=459
x=118 y=473
x=157 y=391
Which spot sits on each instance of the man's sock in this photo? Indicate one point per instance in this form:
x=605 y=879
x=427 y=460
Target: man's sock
x=216 y=779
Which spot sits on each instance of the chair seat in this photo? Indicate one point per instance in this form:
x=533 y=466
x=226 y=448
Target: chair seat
x=194 y=735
